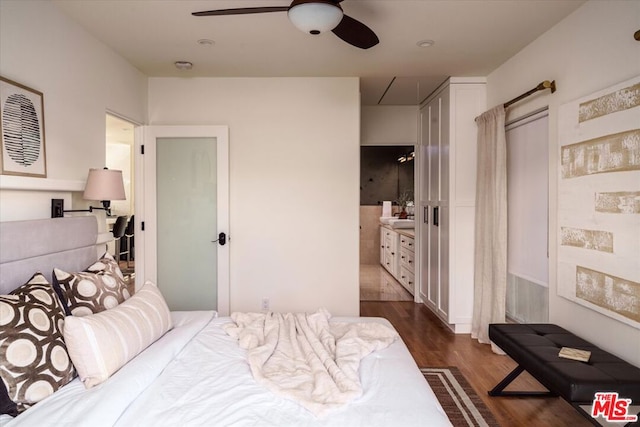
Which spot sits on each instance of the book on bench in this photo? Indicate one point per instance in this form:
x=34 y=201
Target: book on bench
x=575 y=354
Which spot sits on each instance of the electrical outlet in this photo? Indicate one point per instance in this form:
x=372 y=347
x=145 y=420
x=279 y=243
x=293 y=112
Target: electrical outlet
x=265 y=304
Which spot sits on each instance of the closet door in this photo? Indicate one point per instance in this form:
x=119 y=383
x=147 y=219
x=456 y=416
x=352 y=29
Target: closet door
x=435 y=108
x=444 y=150
x=447 y=243
x=443 y=260
x=425 y=118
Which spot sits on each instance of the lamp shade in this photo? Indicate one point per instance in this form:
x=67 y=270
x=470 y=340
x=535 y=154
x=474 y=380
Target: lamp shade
x=104 y=184
x=316 y=17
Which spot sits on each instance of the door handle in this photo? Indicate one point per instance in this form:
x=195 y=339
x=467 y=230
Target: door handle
x=436 y=216
x=222 y=239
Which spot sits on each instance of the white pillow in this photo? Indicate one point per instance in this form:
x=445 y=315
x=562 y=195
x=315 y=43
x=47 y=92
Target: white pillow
x=101 y=343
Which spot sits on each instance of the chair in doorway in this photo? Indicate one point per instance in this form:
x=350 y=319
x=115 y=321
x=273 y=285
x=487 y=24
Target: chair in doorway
x=128 y=240
x=118 y=231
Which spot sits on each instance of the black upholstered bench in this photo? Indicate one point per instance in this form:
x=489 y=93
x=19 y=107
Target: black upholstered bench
x=535 y=348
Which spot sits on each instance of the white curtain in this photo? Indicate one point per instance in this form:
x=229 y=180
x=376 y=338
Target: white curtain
x=490 y=256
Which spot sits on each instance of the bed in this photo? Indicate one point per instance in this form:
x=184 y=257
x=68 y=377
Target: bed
x=195 y=371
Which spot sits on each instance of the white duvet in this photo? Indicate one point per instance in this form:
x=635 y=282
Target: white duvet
x=305 y=358
x=197 y=375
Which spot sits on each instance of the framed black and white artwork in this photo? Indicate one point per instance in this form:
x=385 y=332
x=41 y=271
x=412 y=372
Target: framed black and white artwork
x=22 y=130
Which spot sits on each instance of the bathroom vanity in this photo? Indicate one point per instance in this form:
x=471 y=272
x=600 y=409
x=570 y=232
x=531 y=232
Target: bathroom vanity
x=397 y=254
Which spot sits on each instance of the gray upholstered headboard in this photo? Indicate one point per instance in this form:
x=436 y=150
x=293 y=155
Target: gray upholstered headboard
x=40 y=245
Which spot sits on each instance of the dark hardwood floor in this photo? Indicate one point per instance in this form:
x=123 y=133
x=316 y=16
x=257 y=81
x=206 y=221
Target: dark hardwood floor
x=432 y=345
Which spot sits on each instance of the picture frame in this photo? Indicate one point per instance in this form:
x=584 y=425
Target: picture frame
x=22 y=132
x=599 y=201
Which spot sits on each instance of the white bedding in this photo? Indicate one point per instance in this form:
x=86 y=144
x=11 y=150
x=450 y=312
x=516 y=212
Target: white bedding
x=197 y=375
x=307 y=358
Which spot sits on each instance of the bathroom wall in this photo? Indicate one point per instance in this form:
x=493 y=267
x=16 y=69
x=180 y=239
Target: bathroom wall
x=382 y=176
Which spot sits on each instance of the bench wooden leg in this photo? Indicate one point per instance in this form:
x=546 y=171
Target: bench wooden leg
x=498 y=390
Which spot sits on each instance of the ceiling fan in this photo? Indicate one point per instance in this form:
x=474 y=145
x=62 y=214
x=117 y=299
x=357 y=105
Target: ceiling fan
x=314 y=17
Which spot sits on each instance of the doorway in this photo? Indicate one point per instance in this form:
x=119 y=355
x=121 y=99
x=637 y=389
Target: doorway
x=186 y=215
x=387 y=173
x=119 y=145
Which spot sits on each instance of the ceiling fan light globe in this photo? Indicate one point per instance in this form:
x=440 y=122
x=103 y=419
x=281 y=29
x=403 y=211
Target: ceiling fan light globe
x=315 y=18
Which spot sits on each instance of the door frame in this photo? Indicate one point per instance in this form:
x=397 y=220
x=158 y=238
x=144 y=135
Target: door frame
x=145 y=163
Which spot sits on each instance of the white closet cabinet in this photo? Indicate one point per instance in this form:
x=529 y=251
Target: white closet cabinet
x=447 y=198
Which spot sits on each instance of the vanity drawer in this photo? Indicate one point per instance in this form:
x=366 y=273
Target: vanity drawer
x=407 y=279
x=407 y=242
x=390 y=263
x=407 y=259
x=391 y=241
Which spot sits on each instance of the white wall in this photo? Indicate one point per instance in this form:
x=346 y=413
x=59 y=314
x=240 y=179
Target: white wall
x=294 y=183
x=389 y=125
x=80 y=79
x=590 y=50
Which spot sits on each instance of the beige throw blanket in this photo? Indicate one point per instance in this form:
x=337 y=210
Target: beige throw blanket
x=305 y=358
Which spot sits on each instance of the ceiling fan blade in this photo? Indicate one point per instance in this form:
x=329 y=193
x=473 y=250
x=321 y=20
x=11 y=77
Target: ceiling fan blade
x=241 y=11
x=356 y=33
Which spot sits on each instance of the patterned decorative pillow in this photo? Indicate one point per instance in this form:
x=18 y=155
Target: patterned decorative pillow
x=100 y=287
x=102 y=343
x=7 y=406
x=33 y=356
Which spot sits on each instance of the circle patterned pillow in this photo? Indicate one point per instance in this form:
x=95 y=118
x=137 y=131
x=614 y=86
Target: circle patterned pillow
x=33 y=355
x=100 y=287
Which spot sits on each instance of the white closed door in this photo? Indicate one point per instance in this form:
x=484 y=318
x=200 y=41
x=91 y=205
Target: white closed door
x=186 y=215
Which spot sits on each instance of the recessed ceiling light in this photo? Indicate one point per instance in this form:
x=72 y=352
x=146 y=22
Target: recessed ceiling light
x=425 y=43
x=206 y=42
x=183 y=65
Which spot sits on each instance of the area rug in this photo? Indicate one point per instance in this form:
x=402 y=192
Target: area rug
x=458 y=399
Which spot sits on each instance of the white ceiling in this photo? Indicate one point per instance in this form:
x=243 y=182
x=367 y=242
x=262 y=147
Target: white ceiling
x=472 y=38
